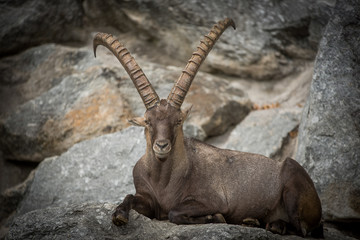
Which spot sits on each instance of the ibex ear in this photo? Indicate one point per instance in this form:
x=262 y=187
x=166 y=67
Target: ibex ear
x=138 y=121
x=186 y=113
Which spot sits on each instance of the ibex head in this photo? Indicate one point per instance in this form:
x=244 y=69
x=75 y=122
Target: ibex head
x=163 y=126
x=163 y=118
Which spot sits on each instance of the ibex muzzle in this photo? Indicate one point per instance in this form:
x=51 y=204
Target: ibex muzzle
x=161 y=124
x=190 y=182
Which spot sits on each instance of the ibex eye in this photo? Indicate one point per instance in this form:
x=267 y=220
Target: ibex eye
x=179 y=122
x=147 y=122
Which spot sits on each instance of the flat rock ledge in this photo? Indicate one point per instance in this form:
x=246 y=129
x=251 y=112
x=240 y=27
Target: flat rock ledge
x=93 y=221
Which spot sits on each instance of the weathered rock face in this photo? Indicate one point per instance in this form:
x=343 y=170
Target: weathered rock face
x=264 y=132
x=28 y=75
x=93 y=221
x=68 y=106
x=270 y=36
x=13 y=173
x=214 y=104
x=27 y=23
x=329 y=137
x=98 y=170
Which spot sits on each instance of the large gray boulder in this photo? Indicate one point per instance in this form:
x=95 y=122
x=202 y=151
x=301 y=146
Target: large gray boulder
x=97 y=170
x=270 y=39
x=29 y=74
x=264 y=132
x=9 y=201
x=92 y=221
x=77 y=99
x=27 y=23
x=329 y=139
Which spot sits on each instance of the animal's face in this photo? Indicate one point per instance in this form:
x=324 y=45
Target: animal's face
x=163 y=123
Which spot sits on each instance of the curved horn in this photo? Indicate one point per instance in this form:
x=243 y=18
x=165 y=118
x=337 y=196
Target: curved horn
x=182 y=85
x=142 y=84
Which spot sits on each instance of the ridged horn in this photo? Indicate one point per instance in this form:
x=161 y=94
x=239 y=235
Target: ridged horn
x=142 y=84
x=182 y=85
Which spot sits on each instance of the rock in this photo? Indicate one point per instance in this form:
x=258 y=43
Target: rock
x=13 y=172
x=329 y=136
x=78 y=106
x=264 y=132
x=28 y=75
x=92 y=221
x=9 y=201
x=29 y=23
x=216 y=106
x=289 y=92
x=269 y=40
x=96 y=170
x=54 y=97
x=11 y=197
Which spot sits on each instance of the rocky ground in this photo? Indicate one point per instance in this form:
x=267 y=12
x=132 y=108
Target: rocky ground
x=64 y=113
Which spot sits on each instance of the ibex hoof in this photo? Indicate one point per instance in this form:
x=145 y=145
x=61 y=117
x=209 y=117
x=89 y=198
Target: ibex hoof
x=219 y=218
x=216 y=218
x=278 y=227
x=252 y=222
x=119 y=219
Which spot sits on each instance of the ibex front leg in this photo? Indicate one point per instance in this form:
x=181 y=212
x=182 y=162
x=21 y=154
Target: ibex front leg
x=192 y=212
x=137 y=202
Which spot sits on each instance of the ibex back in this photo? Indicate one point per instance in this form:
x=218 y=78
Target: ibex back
x=190 y=182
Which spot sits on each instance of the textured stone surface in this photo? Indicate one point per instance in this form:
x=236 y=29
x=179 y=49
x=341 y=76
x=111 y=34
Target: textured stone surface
x=92 y=221
x=11 y=197
x=97 y=170
x=270 y=35
x=28 y=23
x=9 y=201
x=216 y=106
x=269 y=38
x=79 y=107
x=28 y=75
x=13 y=173
x=329 y=137
x=264 y=131
x=53 y=97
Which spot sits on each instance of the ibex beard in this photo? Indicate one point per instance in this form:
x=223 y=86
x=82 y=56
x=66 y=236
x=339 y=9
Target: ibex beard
x=190 y=182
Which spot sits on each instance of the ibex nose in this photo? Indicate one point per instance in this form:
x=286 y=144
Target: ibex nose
x=162 y=148
x=162 y=144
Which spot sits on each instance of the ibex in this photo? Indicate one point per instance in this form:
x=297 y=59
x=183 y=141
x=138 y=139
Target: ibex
x=190 y=182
